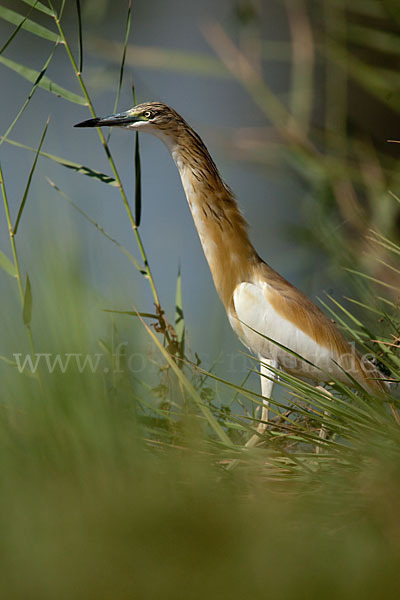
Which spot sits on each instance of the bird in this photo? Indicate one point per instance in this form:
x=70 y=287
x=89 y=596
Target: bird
x=283 y=327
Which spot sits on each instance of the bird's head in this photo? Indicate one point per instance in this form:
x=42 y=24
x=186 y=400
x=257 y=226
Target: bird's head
x=149 y=117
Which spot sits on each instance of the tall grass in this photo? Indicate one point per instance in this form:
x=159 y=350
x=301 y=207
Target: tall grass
x=118 y=481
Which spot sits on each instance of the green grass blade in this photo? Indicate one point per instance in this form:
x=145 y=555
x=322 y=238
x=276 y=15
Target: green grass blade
x=346 y=312
x=213 y=423
x=44 y=82
x=12 y=363
x=80 y=39
x=387 y=265
x=379 y=82
x=7 y=265
x=366 y=8
x=392 y=194
x=133 y=260
x=27 y=307
x=388 y=302
x=179 y=316
x=14 y=33
x=82 y=169
x=370 y=278
x=122 y=66
x=25 y=104
x=6 y=360
x=125 y=45
x=342 y=324
x=385 y=242
x=69 y=164
x=27 y=24
x=131 y=313
x=40 y=6
x=365 y=306
x=28 y=184
x=60 y=14
x=382 y=41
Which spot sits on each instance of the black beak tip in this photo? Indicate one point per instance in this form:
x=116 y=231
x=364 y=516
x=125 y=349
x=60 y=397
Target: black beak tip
x=89 y=123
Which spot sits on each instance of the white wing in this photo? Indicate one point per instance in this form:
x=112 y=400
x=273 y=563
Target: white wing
x=255 y=315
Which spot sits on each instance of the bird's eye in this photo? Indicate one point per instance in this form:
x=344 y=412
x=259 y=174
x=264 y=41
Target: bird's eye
x=148 y=114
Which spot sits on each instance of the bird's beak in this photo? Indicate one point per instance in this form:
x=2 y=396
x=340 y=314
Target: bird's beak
x=123 y=118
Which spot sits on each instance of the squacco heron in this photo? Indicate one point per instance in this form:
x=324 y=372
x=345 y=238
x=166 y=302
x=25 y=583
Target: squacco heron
x=269 y=314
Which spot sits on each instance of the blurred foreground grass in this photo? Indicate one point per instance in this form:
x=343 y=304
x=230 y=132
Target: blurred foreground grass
x=90 y=509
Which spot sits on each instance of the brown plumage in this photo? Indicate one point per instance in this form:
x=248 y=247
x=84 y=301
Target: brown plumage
x=256 y=298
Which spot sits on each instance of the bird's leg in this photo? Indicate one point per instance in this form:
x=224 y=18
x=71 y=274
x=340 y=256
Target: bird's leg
x=268 y=379
x=323 y=432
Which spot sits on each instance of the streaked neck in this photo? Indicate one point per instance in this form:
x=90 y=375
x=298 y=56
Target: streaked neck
x=218 y=220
